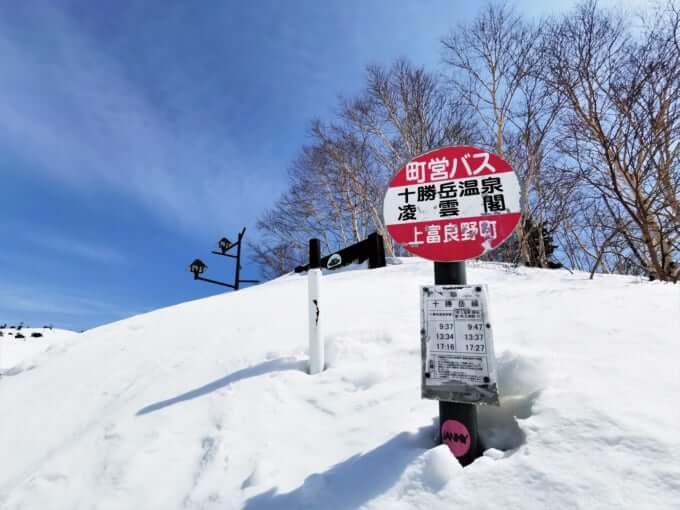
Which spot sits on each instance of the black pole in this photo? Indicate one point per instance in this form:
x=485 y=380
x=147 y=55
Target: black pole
x=453 y=273
x=314 y=253
x=380 y=261
x=376 y=251
x=238 y=260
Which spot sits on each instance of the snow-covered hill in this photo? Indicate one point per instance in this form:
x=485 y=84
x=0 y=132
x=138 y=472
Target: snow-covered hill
x=22 y=349
x=207 y=404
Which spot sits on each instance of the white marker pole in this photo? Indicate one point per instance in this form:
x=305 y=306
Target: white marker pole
x=316 y=347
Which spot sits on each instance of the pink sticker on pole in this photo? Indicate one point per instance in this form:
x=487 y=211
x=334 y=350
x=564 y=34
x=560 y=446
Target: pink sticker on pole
x=456 y=436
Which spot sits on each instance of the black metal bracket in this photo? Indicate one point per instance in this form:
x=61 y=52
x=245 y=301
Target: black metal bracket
x=372 y=249
x=216 y=282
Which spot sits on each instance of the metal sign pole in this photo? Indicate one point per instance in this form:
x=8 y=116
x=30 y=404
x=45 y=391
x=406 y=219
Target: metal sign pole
x=453 y=273
x=237 y=280
x=316 y=347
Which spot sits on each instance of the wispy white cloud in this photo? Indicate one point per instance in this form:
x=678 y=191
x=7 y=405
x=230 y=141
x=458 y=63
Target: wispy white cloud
x=75 y=247
x=43 y=300
x=31 y=239
x=71 y=110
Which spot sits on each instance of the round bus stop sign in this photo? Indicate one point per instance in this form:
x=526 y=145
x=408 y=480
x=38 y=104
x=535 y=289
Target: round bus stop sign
x=452 y=204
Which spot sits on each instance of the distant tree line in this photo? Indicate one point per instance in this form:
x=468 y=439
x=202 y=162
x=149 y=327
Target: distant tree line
x=19 y=335
x=585 y=107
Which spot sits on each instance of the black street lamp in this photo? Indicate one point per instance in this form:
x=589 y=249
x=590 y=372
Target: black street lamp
x=224 y=245
x=197 y=266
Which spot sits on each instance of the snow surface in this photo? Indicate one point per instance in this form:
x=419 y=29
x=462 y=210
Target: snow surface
x=20 y=354
x=207 y=404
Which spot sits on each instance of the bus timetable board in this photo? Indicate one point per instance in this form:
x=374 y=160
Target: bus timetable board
x=459 y=364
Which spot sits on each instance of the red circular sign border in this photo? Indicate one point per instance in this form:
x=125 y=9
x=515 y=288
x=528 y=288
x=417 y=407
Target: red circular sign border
x=464 y=250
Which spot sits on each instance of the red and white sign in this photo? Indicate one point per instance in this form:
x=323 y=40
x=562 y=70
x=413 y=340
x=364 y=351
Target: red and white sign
x=452 y=204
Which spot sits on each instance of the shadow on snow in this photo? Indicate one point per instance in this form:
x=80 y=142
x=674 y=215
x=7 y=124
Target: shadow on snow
x=353 y=482
x=276 y=365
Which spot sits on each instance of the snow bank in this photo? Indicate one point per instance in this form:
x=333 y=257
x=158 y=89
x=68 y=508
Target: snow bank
x=20 y=354
x=208 y=405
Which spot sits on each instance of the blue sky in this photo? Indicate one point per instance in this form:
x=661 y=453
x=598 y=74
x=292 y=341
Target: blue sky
x=133 y=135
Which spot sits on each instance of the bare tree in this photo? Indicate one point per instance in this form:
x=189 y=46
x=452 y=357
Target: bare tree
x=489 y=59
x=404 y=111
x=494 y=63
x=585 y=109
x=349 y=151
x=320 y=202
x=620 y=133
x=339 y=180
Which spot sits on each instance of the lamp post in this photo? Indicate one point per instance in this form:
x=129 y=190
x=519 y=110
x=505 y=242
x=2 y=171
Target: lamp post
x=197 y=267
